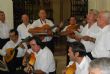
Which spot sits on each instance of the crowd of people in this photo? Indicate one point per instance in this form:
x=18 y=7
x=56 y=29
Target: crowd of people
x=29 y=49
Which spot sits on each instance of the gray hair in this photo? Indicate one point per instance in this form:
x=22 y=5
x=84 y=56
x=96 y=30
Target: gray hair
x=106 y=14
x=94 y=11
x=103 y=64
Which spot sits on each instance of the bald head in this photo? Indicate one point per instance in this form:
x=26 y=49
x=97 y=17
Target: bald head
x=103 y=19
x=42 y=14
x=25 y=19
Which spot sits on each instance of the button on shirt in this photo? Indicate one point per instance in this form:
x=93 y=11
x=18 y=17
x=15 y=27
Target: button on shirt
x=82 y=68
x=68 y=38
x=102 y=44
x=4 y=30
x=44 y=60
x=92 y=32
x=23 y=30
x=11 y=44
x=40 y=23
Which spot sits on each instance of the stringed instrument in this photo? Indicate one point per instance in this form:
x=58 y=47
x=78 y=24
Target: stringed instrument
x=43 y=31
x=28 y=62
x=70 y=29
x=11 y=51
x=71 y=69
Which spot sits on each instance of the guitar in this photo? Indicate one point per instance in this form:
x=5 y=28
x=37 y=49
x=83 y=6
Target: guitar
x=71 y=29
x=12 y=51
x=71 y=69
x=28 y=62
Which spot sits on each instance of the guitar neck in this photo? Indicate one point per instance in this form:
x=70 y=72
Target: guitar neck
x=18 y=45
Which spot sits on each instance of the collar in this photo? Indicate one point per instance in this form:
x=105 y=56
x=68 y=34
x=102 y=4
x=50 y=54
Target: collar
x=106 y=28
x=95 y=23
x=82 y=64
x=2 y=22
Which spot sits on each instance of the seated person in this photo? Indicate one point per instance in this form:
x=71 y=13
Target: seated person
x=100 y=66
x=44 y=60
x=80 y=62
x=20 y=49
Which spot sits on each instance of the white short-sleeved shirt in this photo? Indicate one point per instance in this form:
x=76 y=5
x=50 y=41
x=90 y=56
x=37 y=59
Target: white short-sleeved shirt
x=92 y=32
x=45 y=60
x=11 y=44
x=39 y=23
x=68 y=38
x=23 y=30
x=4 y=30
x=102 y=44
x=82 y=68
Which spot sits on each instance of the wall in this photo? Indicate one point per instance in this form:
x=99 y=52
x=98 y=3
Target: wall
x=61 y=10
x=99 y=4
x=7 y=7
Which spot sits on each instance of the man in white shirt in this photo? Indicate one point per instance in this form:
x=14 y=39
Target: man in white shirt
x=43 y=25
x=24 y=27
x=44 y=63
x=68 y=31
x=102 y=47
x=77 y=53
x=16 y=62
x=100 y=66
x=4 y=30
x=90 y=31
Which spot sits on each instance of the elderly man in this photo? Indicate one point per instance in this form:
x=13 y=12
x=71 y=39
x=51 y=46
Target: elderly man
x=90 y=31
x=24 y=27
x=100 y=66
x=4 y=30
x=43 y=25
x=102 y=43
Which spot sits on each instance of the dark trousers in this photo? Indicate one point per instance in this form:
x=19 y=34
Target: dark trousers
x=90 y=56
x=52 y=72
x=3 y=42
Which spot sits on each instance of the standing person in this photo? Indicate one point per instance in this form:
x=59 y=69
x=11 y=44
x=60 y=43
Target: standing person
x=43 y=25
x=4 y=30
x=24 y=27
x=102 y=47
x=90 y=31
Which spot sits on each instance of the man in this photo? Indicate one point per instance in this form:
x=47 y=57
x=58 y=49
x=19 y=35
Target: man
x=77 y=53
x=44 y=63
x=16 y=62
x=4 y=30
x=100 y=66
x=102 y=47
x=43 y=25
x=90 y=31
x=68 y=31
x=24 y=27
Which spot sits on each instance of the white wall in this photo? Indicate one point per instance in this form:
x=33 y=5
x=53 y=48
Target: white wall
x=99 y=4
x=7 y=7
